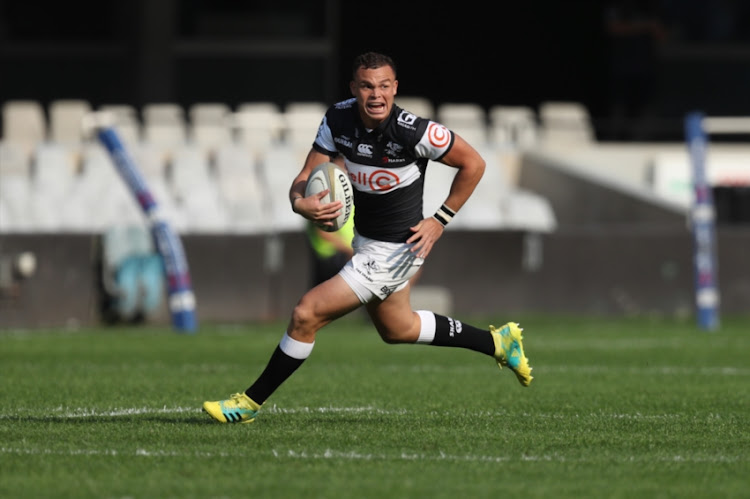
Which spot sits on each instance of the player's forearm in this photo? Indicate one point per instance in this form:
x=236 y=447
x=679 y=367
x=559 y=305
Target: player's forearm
x=463 y=185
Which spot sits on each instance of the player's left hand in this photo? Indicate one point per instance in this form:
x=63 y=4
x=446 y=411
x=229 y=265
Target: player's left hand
x=426 y=234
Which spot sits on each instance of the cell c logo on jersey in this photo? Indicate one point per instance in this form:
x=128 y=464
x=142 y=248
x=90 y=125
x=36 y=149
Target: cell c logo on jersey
x=407 y=118
x=383 y=180
x=438 y=135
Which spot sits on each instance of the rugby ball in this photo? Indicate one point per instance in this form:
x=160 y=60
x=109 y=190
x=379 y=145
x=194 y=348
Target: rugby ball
x=330 y=176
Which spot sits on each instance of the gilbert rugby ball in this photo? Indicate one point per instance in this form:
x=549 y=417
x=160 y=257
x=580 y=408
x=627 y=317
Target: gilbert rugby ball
x=330 y=176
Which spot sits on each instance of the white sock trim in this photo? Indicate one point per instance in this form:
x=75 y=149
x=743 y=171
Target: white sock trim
x=295 y=349
x=427 y=329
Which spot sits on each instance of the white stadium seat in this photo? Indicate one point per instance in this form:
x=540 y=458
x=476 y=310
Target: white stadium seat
x=513 y=126
x=210 y=126
x=127 y=123
x=301 y=122
x=469 y=120
x=419 y=106
x=24 y=124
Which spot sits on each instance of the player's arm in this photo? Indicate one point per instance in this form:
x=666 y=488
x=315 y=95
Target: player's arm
x=311 y=207
x=470 y=165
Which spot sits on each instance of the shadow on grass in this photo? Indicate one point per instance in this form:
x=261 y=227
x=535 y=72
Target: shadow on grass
x=194 y=419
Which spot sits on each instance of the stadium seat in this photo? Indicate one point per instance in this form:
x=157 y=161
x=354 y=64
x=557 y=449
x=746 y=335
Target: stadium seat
x=195 y=192
x=483 y=210
x=65 y=119
x=15 y=194
x=101 y=197
x=126 y=120
x=528 y=211
x=469 y=120
x=149 y=161
x=565 y=122
x=24 y=124
x=279 y=167
x=210 y=126
x=13 y=159
x=164 y=127
x=258 y=126
x=15 y=182
x=52 y=180
x=301 y=122
x=512 y=126
x=241 y=190
x=420 y=106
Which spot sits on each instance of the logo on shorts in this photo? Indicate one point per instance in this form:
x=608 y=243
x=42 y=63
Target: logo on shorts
x=371 y=266
x=387 y=290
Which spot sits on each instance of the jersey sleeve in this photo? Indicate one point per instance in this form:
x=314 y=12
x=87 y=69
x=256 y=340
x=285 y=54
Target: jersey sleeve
x=324 y=143
x=435 y=142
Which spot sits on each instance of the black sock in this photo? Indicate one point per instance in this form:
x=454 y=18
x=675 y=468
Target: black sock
x=279 y=368
x=450 y=332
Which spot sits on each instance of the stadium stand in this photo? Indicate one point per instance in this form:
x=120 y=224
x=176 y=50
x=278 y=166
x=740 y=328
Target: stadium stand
x=210 y=126
x=258 y=126
x=54 y=174
x=213 y=170
x=467 y=119
x=65 y=117
x=513 y=126
x=240 y=189
x=165 y=127
x=127 y=122
x=99 y=186
x=301 y=122
x=195 y=192
x=15 y=186
x=565 y=122
x=279 y=166
x=421 y=106
x=25 y=125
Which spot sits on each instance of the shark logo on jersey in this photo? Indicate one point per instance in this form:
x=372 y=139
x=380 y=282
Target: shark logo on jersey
x=393 y=149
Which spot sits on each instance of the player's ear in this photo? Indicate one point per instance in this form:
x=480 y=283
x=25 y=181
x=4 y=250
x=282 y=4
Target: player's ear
x=351 y=88
x=395 y=87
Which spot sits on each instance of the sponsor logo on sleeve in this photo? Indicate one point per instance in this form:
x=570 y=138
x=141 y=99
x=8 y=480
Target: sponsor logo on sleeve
x=438 y=135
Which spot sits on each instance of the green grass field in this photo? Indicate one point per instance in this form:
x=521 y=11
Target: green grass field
x=618 y=408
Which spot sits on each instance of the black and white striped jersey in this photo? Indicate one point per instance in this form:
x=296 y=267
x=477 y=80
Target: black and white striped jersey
x=386 y=165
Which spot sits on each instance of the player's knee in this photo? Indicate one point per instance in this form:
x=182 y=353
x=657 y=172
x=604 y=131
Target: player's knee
x=304 y=320
x=392 y=337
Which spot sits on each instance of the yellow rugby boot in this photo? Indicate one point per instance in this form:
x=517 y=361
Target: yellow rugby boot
x=509 y=351
x=239 y=408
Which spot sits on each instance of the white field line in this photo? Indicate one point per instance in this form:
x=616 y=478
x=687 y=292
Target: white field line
x=82 y=413
x=588 y=369
x=354 y=455
x=649 y=371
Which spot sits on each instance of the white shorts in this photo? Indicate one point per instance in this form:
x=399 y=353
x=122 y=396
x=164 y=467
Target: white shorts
x=378 y=269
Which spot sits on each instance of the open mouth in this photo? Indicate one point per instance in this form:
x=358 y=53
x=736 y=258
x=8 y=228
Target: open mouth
x=375 y=107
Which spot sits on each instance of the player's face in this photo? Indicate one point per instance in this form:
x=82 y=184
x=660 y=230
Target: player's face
x=375 y=90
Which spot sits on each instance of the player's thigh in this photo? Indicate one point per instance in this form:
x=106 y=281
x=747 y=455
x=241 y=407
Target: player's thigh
x=325 y=302
x=394 y=318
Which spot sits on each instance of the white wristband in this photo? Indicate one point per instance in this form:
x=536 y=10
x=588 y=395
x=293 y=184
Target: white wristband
x=444 y=215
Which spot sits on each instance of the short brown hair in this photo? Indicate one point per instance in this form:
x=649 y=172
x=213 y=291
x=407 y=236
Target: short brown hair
x=372 y=60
